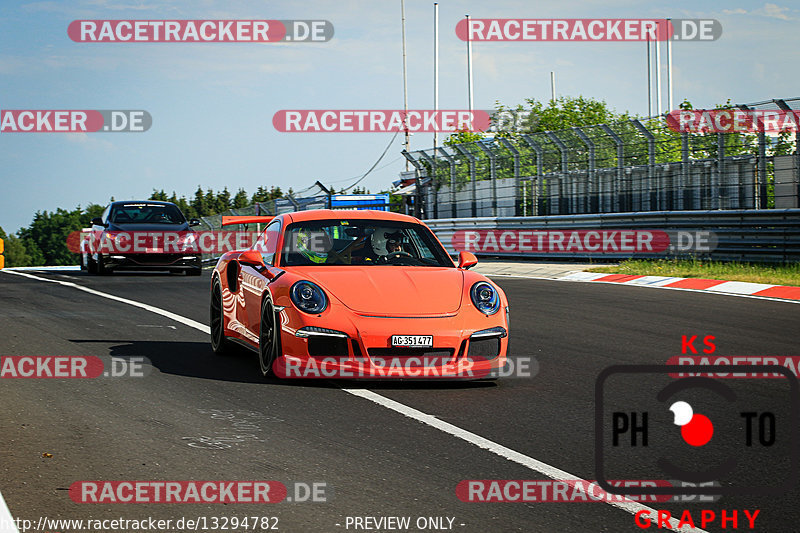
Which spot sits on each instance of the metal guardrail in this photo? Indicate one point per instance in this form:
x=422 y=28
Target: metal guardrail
x=742 y=235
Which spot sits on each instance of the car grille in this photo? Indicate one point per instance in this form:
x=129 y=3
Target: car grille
x=484 y=348
x=154 y=259
x=324 y=346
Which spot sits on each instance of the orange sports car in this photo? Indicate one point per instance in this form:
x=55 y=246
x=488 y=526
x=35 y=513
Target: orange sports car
x=357 y=294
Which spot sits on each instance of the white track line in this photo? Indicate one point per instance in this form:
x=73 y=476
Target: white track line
x=552 y=472
x=177 y=318
x=507 y=453
x=7 y=524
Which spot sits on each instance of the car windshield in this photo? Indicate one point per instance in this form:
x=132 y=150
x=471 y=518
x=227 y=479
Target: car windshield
x=143 y=213
x=361 y=242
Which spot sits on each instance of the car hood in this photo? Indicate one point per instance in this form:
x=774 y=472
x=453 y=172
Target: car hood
x=391 y=290
x=148 y=227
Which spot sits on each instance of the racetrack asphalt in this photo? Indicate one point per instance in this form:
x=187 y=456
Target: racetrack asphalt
x=375 y=461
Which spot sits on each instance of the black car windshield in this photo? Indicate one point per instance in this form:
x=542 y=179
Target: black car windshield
x=144 y=213
x=361 y=242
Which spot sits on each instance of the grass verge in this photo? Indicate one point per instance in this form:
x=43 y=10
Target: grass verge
x=779 y=274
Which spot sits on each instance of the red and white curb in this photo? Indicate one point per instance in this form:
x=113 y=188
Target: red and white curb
x=736 y=288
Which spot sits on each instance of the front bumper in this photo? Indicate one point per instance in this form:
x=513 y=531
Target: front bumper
x=153 y=261
x=359 y=347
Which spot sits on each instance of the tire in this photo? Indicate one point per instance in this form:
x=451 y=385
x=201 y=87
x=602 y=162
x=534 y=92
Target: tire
x=102 y=269
x=194 y=272
x=83 y=261
x=91 y=265
x=269 y=342
x=219 y=343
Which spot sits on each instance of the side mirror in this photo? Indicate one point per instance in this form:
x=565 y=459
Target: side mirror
x=97 y=221
x=467 y=260
x=194 y=222
x=252 y=258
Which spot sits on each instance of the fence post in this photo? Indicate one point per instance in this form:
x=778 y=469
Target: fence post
x=433 y=182
x=515 y=153
x=294 y=202
x=650 y=195
x=717 y=185
x=592 y=188
x=762 y=167
x=620 y=152
x=540 y=180
x=684 y=170
x=451 y=160
x=492 y=173
x=785 y=107
x=418 y=207
x=564 y=169
x=471 y=158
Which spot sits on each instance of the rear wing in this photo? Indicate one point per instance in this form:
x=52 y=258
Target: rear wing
x=250 y=219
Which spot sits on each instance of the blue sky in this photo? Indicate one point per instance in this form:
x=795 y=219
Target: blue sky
x=212 y=104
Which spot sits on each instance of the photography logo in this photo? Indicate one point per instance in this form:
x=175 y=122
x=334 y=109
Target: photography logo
x=714 y=436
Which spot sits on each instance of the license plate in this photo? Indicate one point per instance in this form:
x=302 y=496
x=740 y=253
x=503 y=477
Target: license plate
x=413 y=341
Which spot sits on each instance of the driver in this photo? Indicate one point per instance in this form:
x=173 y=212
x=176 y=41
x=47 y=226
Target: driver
x=387 y=244
x=313 y=245
x=393 y=246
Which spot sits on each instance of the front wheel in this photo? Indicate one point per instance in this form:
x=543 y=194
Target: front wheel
x=269 y=341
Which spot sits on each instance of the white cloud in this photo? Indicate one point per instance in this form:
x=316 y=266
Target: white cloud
x=775 y=11
x=88 y=141
x=769 y=10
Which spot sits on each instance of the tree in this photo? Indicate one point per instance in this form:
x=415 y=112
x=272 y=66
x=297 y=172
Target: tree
x=463 y=136
x=183 y=205
x=222 y=202
x=14 y=251
x=261 y=195
x=45 y=240
x=240 y=199
x=159 y=195
x=200 y=203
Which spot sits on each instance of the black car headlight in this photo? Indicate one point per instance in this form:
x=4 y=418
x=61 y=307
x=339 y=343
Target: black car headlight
x=485 y=298
x=308 y=297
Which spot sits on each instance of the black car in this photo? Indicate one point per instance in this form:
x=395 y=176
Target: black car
x=141 y=235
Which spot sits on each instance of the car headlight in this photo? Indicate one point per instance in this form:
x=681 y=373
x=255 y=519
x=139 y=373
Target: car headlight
x=308 y=297
x=485 y=298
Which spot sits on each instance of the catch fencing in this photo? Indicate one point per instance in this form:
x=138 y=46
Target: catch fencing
x=628 y=166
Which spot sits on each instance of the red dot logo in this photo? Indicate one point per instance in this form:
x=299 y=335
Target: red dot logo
x=696 y=429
